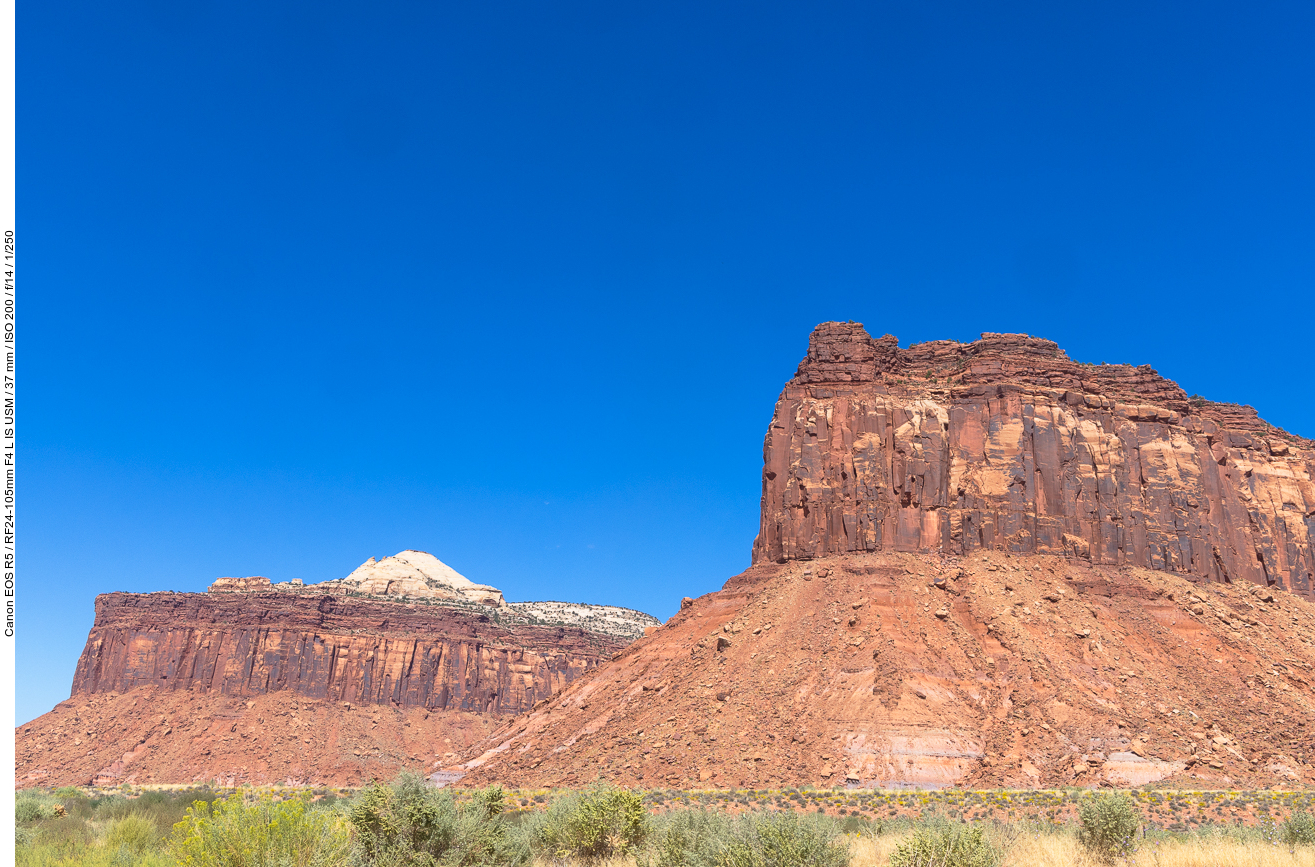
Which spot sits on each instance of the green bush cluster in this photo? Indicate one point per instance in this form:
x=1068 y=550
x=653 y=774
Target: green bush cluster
x=704 y=838
x=69 y=827
x=785 y=838
x=591 y=825
x=244 y=831
x=1108 y=825
x=940 y=842
x=412 y=824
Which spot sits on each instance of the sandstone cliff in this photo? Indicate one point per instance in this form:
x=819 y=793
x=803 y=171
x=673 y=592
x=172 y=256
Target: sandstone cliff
x=261 y=682
x=1007 y=444
x=332 y=648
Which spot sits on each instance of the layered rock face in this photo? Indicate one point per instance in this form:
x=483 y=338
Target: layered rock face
x=1007 y=444
x=332 y=647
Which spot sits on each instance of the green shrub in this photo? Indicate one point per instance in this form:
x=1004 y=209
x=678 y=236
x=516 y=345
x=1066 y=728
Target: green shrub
x=32 y=805
x=237 y=832
x=1299 y=830
x=785 y=839
x=412 y=823
x=1109 y=825
x=136 y=834
x=590 y=825
x=939 y=842
x=702 y=838
x=688 y=838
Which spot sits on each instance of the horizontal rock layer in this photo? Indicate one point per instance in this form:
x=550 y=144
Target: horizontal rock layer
x=1007 y=444
x=333 y=648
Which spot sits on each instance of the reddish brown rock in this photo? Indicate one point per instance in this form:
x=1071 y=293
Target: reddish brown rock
x=979 y=565
x=149 y=735
x=331 y=647
x=1007 y=444
x=775 y=681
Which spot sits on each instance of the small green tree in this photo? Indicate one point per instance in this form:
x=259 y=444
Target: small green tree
x=1109 y=825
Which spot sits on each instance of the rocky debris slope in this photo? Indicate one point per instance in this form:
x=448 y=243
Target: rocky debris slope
x=624 y=623
x=1006 y=444
x=899 y=670
x=149 y=735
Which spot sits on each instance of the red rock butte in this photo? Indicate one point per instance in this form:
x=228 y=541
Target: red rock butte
x=979 y=564
x=1007 y=444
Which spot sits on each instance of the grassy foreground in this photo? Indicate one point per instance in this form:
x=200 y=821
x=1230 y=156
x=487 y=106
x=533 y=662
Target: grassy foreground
x=409 y=823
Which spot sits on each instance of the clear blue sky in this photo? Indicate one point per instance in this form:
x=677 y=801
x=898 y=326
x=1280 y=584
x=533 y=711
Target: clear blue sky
x=519 y=283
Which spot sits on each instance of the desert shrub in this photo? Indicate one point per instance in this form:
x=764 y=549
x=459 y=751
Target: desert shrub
x=938 y=842
x=237 y=832
x=135 y=834
x=1299 y=830
x=687 y=838
x=33 y=805
x=1108 y=825
x=702 y=838
x=590 y=825
x=857 y=823
x=410 y=822
x=785 y=839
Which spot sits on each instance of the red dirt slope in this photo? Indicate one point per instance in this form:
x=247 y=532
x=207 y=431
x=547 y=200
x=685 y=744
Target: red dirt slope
x=892 y=669
x=150 y=735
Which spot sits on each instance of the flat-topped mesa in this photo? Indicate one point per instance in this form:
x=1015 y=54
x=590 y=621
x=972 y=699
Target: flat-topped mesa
x=1006 y=443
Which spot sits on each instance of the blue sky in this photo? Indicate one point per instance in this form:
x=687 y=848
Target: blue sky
x=519 y=283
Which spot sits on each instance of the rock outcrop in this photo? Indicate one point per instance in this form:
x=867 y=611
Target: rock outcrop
x=408 y=575
x=979 y=564
x=289 y=682
x=1006 y=444
x=334 y=648
x=419 y=575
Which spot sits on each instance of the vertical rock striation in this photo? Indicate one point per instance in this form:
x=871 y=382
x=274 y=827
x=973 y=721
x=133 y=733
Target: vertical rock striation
x=332 y=647
x=1007 y=444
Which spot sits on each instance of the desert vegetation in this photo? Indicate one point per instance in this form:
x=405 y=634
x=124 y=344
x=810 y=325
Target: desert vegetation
x=409 y=823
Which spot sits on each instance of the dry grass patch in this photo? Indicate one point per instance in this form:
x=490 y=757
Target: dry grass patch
x=1063 y=850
